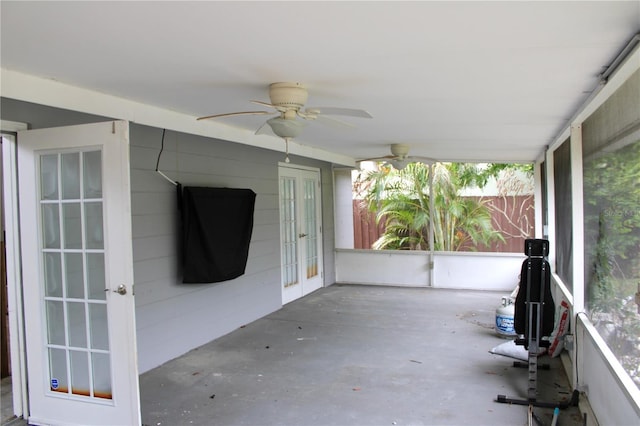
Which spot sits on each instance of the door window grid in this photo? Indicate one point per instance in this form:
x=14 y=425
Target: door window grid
x=289 y=240
x=74 y=274
x=311 y=226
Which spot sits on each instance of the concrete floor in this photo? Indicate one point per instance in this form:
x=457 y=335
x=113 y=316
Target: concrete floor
x=355 y=355
x=6 y=401
x=352 y=355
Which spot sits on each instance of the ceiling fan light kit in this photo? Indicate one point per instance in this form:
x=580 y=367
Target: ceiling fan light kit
x=286 y=128
x=399 y=164
x=288 y=99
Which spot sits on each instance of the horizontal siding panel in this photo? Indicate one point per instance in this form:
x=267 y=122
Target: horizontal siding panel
x=266 y=216
x=152 y=203
x=155 y=269
x=193 y=144
x=263 y=248
x=227 y=167
x=268 y=205
x=147 y=158
x=151 y=137
x=267 y=202
x=259 y=186
x=205 y=298
x=166 y=334
x=150 y=181
x=264 y=232
x=155 y=247
x=154 y=224
x=171 y=289
x=264 y=264
x=172 y=317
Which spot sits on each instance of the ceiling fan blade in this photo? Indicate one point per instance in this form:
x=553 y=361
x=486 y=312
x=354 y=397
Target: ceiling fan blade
x=267 y=104
x=426 y=160
x=229 y=114
x=263 y=130
x=330 y=121
x=338 y=111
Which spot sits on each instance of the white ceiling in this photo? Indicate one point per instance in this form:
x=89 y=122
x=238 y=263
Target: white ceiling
x=464 y=81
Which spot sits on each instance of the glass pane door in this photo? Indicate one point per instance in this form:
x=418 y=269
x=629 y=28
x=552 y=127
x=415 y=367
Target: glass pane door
x=311 y=227
x=77 y=270
x=73 y=253
x=300 y=232
x=288 y=223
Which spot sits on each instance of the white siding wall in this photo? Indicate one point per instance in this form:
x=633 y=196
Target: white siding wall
x=328 y=219
x=343 y=208
x=173 y=318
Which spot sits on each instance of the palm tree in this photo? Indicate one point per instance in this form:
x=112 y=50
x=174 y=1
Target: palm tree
x=402 y=201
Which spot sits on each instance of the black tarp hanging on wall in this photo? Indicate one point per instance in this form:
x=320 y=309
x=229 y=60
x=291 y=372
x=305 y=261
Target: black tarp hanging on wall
x=216 y=231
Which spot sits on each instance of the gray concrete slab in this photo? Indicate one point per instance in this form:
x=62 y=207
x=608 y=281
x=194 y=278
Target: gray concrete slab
x=6 y=401
x=354 y=355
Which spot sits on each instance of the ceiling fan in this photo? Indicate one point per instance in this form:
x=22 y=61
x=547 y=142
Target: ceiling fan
x=288 y=100
x=400 y=157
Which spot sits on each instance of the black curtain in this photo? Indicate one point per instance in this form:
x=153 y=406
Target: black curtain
x=216 y=231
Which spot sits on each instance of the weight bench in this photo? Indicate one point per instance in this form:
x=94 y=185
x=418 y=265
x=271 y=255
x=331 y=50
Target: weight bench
x=534 y=313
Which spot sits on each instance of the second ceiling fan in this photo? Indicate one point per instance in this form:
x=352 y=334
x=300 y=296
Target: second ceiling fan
x=400 y=157
x=288 y=101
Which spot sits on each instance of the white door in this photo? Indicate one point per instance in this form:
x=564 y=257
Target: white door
x=75 y=221
x=300 y=232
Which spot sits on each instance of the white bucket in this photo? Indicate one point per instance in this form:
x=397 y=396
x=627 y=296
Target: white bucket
x=504 y=318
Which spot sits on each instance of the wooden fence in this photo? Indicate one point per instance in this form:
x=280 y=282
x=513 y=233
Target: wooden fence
x=365 y=229
x=513 y=216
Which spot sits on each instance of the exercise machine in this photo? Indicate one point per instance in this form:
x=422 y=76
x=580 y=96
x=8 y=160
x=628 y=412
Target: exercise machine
x=534 y=313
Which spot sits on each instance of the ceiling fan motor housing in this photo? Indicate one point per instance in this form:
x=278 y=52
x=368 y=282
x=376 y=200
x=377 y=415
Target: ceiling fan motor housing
x=400 y=150
x=288 y=95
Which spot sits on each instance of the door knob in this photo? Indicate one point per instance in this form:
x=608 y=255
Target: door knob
x=302 y=235
x=122 y=289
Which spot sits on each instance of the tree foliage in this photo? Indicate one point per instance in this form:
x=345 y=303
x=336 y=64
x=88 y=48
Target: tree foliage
x=612 y=247
x=401 y=199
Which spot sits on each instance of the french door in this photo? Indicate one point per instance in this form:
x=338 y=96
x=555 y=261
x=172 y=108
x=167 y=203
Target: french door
x=300 y=232
x=75 y=222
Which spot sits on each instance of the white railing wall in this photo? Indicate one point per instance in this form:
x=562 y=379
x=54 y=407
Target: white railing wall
x=453 y=270
x=477 y=271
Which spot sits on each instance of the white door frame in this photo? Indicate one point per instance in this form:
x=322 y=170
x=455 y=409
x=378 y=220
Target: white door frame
x=12 y=248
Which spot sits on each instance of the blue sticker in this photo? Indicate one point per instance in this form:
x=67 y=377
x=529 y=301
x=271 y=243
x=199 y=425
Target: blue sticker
x=54 y=384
